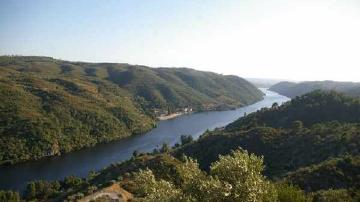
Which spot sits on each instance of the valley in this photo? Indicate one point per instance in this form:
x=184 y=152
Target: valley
x=52 y=107
x=81 y=162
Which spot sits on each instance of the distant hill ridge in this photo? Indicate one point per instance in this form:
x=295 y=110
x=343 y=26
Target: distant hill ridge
x=292 y=89
x=50 y=106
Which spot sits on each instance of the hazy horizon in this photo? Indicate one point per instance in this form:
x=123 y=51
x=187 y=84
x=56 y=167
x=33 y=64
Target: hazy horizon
x=286 y=40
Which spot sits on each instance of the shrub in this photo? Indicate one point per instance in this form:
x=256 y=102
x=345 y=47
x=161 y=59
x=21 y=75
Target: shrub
x=9 y=196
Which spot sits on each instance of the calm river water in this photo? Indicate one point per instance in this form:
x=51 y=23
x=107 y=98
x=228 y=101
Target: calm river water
x=80 y=163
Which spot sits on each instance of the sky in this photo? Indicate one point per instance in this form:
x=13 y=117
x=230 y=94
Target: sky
x=286 y=39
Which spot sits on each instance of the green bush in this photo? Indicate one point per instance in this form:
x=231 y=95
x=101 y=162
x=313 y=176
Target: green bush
x=9 y=196
x=339 y=195
x=236 y=177
x=42 y=190
x=291 y=193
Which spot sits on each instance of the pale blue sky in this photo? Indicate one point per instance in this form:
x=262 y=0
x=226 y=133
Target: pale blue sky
x=294 y=39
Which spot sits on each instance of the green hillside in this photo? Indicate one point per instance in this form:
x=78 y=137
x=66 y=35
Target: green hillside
x=49 y=107
x=312 y=141
x=312 y=108
x=291 y=89
x=289 y=157
x=344 y=173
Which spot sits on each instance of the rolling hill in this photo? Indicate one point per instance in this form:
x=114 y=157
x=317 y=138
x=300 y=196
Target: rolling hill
x=291 y=89
x=50 y=106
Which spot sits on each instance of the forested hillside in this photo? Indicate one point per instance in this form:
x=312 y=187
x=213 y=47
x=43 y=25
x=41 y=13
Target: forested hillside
x=312 y=141
x=283 y=153
x=291 y=89
x=49 y=107
x=312 y=108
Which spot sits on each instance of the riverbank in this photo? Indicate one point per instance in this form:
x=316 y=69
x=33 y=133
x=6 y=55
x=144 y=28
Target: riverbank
x=171 y=116
x=222 y=107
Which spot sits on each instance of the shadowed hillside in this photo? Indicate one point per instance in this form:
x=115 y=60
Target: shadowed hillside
x=311 y=141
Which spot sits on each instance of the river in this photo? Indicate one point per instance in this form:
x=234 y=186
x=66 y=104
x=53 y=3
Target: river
x=80 y=163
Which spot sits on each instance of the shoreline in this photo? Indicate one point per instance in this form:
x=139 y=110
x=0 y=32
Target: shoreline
x=170 y=116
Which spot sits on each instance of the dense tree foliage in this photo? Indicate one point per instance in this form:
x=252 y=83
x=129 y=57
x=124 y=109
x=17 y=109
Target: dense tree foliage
x=312 y=108
x=9 y=196
x=236 y=177
x=50 y=107
x=42 y=190
x=185 y=139
x=312 y=141
x=288 y=192
x=284 y=149
x=344 y=173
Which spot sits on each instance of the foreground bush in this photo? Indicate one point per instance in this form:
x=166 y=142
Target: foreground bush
x=235 y=177
x=9 y=196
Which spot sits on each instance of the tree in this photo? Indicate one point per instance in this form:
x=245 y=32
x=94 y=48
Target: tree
x=197 y=185
x=9 y=196
x=154 y=190
x=185 y=139
x=297 y=126
x=275 y=105
x=165 y=148
x=73 y=182
x=339 y=195
x=243 y=172
x=290 y=193
x=236 y=177
x=41 y=189
x=135 y=153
